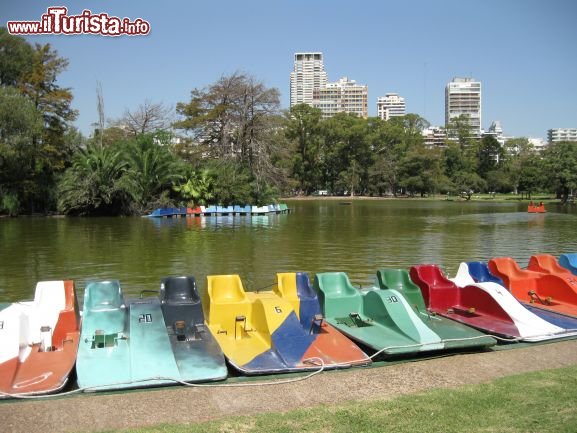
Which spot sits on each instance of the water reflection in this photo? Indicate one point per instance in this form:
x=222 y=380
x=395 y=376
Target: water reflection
x=317 y=236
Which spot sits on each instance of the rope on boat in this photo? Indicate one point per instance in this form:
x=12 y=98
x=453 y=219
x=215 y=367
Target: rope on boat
x=313 y=360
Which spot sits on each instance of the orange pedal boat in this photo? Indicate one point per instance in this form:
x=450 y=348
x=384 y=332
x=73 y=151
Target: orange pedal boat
x=39 y=340
x=549 y=291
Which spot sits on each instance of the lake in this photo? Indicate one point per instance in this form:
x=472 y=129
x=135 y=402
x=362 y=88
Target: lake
x=357 y=237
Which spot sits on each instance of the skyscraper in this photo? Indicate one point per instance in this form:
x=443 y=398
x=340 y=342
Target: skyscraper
x=463 y=96
x=390 y=105
x=308 y=74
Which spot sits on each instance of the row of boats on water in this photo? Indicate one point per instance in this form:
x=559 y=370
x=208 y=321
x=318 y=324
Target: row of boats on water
x=217 y=210
x=297 y=326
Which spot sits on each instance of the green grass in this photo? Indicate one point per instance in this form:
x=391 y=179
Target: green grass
x=537 y=402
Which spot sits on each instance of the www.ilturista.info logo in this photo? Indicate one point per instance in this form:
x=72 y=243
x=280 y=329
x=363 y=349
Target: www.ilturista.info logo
x=56 y=21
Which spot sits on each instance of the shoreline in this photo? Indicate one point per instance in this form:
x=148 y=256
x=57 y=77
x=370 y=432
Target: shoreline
x=173 y=404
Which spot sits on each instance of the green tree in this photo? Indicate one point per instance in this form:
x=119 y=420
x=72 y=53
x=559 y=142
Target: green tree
x=420 y=171
x=196 y=187
x=520 y=162
x=96 y=183
x=152 y=171
x=15 y=58
x=390 y=141
x=347 y=154
x=232 y=183
x=234 y=118
x=303 y=128
x=490 y=155
x=559 y=164
x=20 y=122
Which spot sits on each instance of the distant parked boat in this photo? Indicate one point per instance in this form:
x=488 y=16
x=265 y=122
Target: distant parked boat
x=215 y=210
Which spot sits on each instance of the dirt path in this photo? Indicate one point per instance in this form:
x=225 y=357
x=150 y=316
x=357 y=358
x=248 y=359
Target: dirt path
x=94 y=412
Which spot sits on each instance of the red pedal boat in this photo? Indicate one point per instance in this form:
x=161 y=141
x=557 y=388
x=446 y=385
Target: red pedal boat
x=550 y=291
x=39 y=340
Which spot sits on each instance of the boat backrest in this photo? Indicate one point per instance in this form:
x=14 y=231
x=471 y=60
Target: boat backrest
x=104 y=308
x=49 y=302
x=227 y=300
x=509 y=271
x=547 y=263
x=432 y=275
x=569 y=261
x=50 y=295
x=399 y=279
x=103 y=295
x=479 y=271
x=180 y=301
x=179 y=290
x=337 y=296
x=11 y=338
x=463 y=277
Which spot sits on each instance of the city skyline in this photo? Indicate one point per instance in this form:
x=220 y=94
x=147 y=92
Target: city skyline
x=522 y=51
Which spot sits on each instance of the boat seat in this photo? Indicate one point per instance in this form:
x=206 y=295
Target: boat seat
x=49 y=301
x=399 y=279
x=479 y=271
x=105 y=303
x=569 y=261
x=227 y=298
x=179 y=290
x=547 y=264
x=180 y=302
x=224 y=289
x=337 y=295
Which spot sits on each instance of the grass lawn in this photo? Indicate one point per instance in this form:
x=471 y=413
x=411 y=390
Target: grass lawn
x=536 y=402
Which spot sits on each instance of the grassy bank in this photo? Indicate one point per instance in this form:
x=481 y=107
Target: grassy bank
x=537 y=402
x=509 y=198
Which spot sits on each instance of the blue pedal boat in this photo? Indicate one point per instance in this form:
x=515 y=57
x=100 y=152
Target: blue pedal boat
x=145 y=342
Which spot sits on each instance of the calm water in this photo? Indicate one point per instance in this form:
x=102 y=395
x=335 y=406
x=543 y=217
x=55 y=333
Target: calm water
x=317 y=236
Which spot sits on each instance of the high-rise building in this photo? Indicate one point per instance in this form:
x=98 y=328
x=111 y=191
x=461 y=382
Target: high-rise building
x=434 y=136
x=561 y=134
x=308 y=74
x=342 y=96
x=463 y=96
x=390 y=105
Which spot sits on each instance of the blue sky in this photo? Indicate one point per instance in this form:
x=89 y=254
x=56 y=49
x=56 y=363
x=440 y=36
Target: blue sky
x=523 y=51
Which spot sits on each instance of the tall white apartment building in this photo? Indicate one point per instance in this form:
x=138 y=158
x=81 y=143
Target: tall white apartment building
x=463 y=96
x=390 y=105
x=308 y=74
x=561 y=134
x=342 y=96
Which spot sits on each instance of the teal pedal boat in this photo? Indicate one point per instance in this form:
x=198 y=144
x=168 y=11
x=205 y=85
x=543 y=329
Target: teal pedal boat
x=145 y=342
x=454 y=335
x=379 y=319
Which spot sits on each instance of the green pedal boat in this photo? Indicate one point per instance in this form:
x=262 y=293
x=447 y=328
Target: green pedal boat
x=383 y=320
x=145 y=342
x=455 y=335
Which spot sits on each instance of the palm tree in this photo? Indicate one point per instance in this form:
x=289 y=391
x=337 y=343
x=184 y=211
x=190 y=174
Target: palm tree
x=152 y=170
x=96 y=183
x=197 y=188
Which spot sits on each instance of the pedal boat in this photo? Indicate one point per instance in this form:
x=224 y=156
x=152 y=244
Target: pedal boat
x=543 y=290
x=381 y=320
x=39 y=340
x=144 y=342
x=469 y=304
x=455 y=335
x=275 y=331
x=531 y=326
x=479 y=271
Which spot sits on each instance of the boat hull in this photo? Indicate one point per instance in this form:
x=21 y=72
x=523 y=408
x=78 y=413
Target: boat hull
x=261 y=333
x=28 y=365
